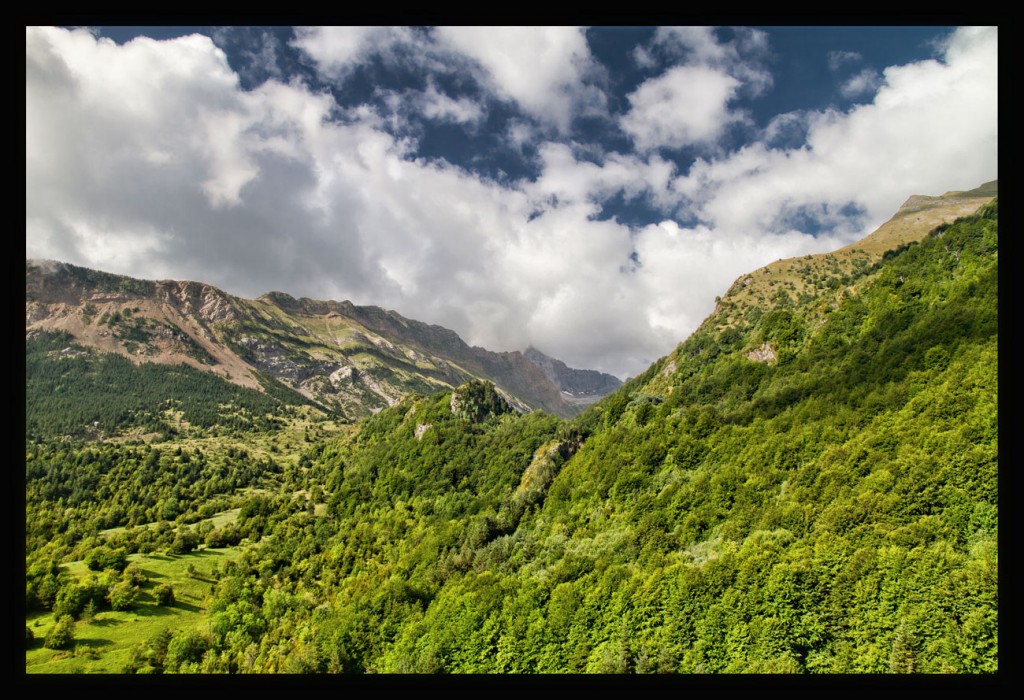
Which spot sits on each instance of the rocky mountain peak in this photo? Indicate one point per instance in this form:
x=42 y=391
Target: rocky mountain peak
x=578 y=384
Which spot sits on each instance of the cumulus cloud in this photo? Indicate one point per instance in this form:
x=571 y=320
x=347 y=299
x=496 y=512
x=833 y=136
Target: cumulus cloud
x=866 y=82
x=931 y=127
x=742 y=57
x=541 y=68
x=336 y=50
x=687 y=105
x=150 y=159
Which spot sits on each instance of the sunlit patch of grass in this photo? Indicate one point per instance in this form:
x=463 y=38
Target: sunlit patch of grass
x=105 y=644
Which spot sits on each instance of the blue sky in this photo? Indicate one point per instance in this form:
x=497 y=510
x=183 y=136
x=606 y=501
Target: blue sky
x=587 y=191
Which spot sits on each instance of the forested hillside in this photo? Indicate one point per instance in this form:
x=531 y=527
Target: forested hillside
x=807 y=486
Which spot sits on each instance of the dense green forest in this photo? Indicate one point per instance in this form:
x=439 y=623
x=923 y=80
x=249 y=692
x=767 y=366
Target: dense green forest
x=834 y=510
x=75 y=391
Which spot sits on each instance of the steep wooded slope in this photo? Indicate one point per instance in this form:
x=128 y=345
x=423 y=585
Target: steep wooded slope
x=809 y=487
x=832 y=510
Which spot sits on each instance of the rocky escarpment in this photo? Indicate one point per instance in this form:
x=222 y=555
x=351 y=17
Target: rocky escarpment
x=356 y=359
x=512 y=372
x=578 y=384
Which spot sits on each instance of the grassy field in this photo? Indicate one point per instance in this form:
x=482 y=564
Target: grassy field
x=105 y=644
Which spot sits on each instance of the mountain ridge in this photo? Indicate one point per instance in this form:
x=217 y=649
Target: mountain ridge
x=356 y=359
x=811 y=488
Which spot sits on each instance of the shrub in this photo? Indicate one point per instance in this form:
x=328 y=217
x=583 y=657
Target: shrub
x=164 y=594
x=62 y=634
x=123 y=595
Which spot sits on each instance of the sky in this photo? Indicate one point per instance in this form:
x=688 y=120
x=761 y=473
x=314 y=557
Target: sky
x=587 y=191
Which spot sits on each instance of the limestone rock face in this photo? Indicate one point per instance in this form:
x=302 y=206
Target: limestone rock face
x=577 y=383
x=354 y=359
x=765 y=353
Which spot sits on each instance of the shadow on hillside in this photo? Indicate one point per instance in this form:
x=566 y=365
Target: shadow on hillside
x=92 y=643
x=187 y=606
x=105 y=622
x=141 y=610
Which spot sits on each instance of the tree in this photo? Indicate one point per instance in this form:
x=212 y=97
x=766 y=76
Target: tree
x=184 y=542
x=89 y=612
x=62 y=634
x=70 y=600
x=103 y=557
x=133 y=573
x=187 y=646
x=123 y=595
x=164 y=594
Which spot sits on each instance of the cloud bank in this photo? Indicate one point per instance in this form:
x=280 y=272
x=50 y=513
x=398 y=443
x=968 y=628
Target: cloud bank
x=150 y=159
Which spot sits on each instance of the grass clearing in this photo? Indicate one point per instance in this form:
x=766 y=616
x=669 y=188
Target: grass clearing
x=105 y=644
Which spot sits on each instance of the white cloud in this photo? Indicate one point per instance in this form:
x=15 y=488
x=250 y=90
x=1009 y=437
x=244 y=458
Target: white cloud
x=839 y=59
x=742 y=57
x=541 y=68
x=865 y=82
x=687 y=105
x=931 y=127
x=566 y=180
x=335 y=50
x=149 y=159
x=441 y=107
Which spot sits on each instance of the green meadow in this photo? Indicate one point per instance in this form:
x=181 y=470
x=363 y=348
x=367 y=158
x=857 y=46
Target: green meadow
x=105 y=644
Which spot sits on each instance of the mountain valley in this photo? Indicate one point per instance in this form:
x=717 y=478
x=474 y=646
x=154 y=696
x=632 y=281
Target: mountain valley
x=807 y=484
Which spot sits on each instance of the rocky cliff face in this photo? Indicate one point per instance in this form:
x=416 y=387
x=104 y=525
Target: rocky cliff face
x=353 y=359
x=451 y=360
x=577 y=385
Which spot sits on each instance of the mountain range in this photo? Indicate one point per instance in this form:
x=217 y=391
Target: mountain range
x=349 y=360
x=355 y=360
x=807 y=484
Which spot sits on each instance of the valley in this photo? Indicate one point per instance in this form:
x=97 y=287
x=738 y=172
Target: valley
x=807 y=484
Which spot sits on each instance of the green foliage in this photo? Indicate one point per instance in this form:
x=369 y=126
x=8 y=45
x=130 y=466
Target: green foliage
x=123 y=595
x=184 y=542
x=62 y=634
x=77 y=392
x=73 y=490
x=164 y=594
x=836 y=511
x=184 y=651
x=476 y=401
x=103 y=557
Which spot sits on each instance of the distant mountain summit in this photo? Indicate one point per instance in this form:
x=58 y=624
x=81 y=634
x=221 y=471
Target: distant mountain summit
x=578 y=386
x=353 y=360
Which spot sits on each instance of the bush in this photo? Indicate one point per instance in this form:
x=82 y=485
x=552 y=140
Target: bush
x=62 y=634
x=123 y=595
x=71 y=600
x=134 y=574
x=164 y=594
x=184 y=542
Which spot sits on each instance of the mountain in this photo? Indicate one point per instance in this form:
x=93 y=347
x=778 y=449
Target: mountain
x=578 y=386
x=346 y=359
x=807 y=484
x=829 y=273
